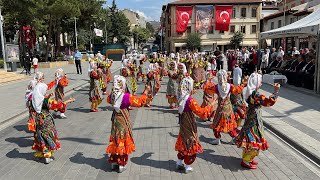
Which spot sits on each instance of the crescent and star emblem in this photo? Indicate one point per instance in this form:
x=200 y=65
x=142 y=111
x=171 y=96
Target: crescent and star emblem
x=184 y=14
x=224 y=12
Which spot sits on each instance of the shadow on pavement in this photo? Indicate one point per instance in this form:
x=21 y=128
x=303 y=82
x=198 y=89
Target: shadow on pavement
x=227 y=162
x=14 y=154
x=172 y=135
x=81 y=109
x=207 y=140
x=81 y=140
x=22 y=127
x=145 y=161
x=21 y=141
x=101 y=164
x=146 y=128
x=106 y=108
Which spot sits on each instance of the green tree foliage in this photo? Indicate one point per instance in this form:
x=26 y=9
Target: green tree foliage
x=193 y=41
x=236 y=39
x=141 y=35
x=150 y=28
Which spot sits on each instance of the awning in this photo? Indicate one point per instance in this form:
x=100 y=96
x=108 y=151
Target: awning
x=180 y=44
x=305 y=26
x=207 y=43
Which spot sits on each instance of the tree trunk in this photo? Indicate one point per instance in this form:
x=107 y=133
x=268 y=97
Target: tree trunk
x=58 y=42
x=48 y=38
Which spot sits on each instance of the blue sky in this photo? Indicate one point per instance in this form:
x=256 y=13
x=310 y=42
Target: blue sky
x=151 y=9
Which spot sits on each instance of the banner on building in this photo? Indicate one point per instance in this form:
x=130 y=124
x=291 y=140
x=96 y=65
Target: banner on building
x=204 y=19
x=98 y=32
x=223 y=16
x=183 y=15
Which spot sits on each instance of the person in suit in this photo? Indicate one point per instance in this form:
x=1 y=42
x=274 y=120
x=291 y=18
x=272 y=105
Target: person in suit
x=308 y=76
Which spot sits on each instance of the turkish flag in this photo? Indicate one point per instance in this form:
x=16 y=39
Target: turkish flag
x=183 y=15
x=223 y=15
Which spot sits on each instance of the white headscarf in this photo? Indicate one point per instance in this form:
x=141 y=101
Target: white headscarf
x=151 y=67
x=38 y=96
x=254 y=83
x=183 y=66
x=32 y=84
x=59 y=74
x=118 y=90
x=186 y=87
x=223 y=85
x=125 y=63
x=237 y=74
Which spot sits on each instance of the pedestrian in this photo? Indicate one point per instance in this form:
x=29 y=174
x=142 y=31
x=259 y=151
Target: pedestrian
x=218 y=55
x=188 y=143
x=121 y=143
x=46 y=140
x=251 y=137
x=28 y=62
x=77 y=58
x=224 y=118
x=35 y=64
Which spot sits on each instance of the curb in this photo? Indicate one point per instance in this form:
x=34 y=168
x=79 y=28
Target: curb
x=312 y=157
x=4 y=124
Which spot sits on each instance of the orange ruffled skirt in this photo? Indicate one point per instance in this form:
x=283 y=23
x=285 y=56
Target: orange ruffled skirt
x=196 y=148
x=121 y=146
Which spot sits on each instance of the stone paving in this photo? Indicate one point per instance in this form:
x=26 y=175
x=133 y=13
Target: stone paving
x=84 y=137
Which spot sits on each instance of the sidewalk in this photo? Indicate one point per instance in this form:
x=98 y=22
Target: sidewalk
x=295 y=117
x=84 y=137
x=12 y=94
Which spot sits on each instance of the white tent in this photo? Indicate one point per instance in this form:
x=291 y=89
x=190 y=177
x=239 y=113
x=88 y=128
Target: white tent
x=306 y=26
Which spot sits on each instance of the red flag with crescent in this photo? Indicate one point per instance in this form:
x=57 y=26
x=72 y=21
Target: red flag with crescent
x=223 y=15
x=183 y=15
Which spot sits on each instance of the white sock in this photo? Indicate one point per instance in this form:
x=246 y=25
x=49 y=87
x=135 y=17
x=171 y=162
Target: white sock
x=188 y=167
x=179 y=162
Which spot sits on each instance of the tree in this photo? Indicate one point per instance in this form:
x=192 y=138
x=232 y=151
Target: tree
x=140 y=35
x=236 y=39
x=150 y=28
x=193 y=41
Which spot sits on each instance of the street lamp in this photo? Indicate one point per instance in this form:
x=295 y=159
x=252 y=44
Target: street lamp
x=2 y=42
x=75 y=31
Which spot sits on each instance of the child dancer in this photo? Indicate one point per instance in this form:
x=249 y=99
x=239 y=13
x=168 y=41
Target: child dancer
x=224 y=119
x=46 y=139
x=61 y=82
x=121 y=142
x=188 y=143
x=171 y=86
x=209 y=93
x=94 y=93
x=251 y=137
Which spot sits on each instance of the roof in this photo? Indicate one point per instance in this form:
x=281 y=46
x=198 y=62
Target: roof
x=279 y=13
x=195 y=2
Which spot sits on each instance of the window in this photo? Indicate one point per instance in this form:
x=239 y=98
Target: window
x=254 y=12
x=243 y=29
x=279 y=23
x=233 y=13
x=221 y=32
x=272 y=25
x=253 y=29
x=291 y=20
x=232 y=29
x=243 y=12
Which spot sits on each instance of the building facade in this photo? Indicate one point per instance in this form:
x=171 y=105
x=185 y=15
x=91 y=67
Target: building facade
x=245 y=18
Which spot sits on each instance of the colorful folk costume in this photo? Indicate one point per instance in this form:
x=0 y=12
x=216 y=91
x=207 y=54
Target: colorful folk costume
x=237 y=101
x=198 y=73
x=133 y=80
x=61 y=82
x=141 y=71
x=251 y=137
x=105 y=74
x=188 y=143
x=121 y=142
x=224 y=119
x=171 y=86
x=94 y=92
x=46 y=140
x=153 y=82
x=209 y=96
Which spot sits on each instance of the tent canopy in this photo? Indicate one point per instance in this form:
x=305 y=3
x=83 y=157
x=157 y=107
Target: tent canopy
x=305 y=26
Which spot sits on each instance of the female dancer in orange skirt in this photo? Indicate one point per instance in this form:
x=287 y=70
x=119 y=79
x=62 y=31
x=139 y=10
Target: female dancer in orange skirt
x=188 y=143
x=121 y=142
x=209 y=93
x=224 y=118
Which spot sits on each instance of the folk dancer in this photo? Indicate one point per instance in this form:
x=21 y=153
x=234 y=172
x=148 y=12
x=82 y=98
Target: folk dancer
x=61 y=82
x=153 y=82
x=224 y=118
x=171 y=86
x=94 y=92
x=209 y=95
x=198 y=72
x=105 y=74
x=141 y=69
x=121 y=143
x=188 y=143
x=46 y=140
x=251 y=137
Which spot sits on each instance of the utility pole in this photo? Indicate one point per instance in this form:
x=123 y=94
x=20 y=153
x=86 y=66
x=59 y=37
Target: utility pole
x=75 y=31
x=2 y=42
